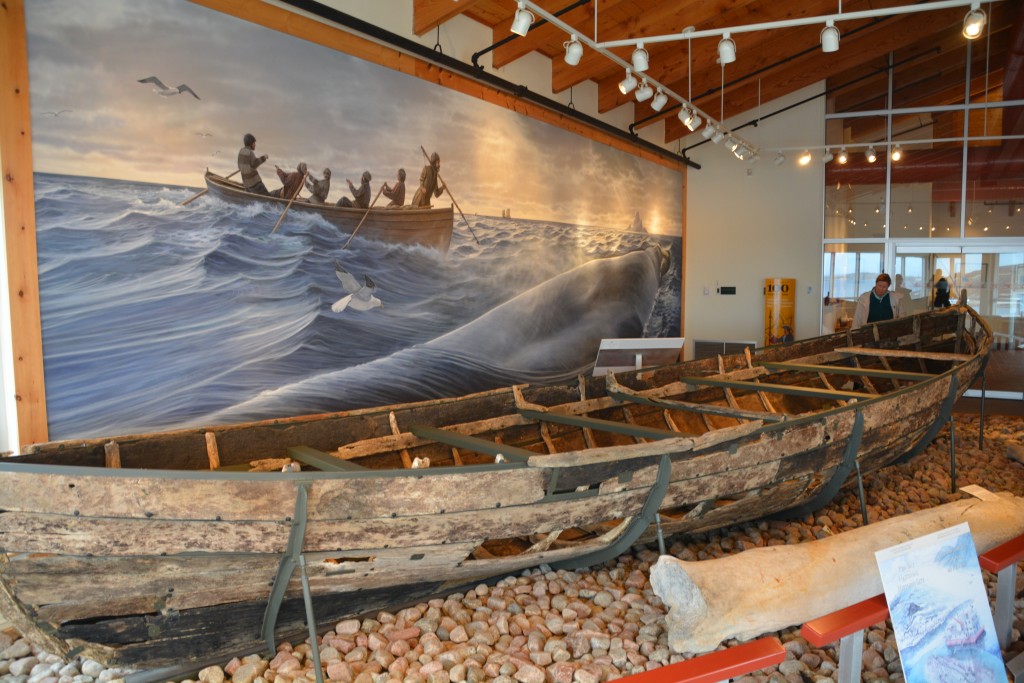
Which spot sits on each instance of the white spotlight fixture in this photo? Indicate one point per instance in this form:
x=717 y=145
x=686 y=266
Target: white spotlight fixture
x=974 y=21
x=523 y=20
x=779 y=158
x=726 y=49
x=627 y=84
x=640 y=58
x=644 y=92
x=804 y=158
x=718 y=136
x=843 y=156
x=870 y=155
x=660 y=100
x=897 y=153
x=690 y=119
x=830 y=37
x=573 y=51
x=827 y=156
x=708 y=131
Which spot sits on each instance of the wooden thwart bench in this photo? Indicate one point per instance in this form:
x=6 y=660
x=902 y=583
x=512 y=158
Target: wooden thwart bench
x=718 y=666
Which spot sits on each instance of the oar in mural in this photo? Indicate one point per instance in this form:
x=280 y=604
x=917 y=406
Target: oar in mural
x=441 y=180
x=289 y=205
x=364 y=217
x=200 y=194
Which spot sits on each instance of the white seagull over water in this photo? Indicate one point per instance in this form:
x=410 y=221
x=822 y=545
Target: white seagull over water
x=160 y=89
x=359 y=297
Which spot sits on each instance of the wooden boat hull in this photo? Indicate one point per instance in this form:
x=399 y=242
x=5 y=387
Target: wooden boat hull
x=431 y=227
x=134 y=550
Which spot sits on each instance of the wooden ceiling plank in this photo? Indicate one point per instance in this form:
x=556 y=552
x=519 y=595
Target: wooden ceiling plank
x=547 y=38
x=429 y=14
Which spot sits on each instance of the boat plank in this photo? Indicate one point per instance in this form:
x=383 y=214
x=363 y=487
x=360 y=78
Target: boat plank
x=481 y=524
x=794 y=389
x=130 y=585
x=840 y=370
x=41 y=533
x=904 y=353
x=268 y=497
x=425 y=492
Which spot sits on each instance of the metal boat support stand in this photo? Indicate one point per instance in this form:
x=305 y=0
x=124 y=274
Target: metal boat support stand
x=952 y=457
x=945 y=414
x=981 y=410
x=292 y=557
x=635 y=527
x=849 y=464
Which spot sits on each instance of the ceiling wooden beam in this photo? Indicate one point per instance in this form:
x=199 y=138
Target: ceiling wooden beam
x=429 y=14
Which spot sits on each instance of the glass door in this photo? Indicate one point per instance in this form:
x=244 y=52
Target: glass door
x=990 y=280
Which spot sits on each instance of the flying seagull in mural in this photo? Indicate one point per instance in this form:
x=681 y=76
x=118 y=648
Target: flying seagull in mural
x=160 y=89
x=360 y=296
x=56 y=113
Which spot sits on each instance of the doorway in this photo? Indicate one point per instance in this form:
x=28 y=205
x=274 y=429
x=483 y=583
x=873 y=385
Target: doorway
x=990 y=280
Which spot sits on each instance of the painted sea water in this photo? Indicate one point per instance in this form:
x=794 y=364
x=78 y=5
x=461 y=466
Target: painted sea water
x=158 y=316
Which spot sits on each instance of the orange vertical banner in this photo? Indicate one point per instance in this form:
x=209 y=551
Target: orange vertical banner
x=779 y=310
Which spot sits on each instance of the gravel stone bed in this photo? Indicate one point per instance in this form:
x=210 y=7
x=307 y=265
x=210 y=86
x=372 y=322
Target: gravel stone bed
x=547 y=626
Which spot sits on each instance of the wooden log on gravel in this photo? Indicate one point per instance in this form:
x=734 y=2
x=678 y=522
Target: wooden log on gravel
x=768 y=589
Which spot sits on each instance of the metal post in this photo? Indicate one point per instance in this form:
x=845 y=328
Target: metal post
x=851 y=654
x=860 y=491
x=981 y=412
x=661 y=537
x=310 y=620
x=1003 y=613
x=952 y=457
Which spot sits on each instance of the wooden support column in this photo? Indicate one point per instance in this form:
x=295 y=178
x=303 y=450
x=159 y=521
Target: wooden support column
x=20 y=226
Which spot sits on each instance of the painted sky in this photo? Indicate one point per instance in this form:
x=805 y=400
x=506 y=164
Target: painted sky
x=306 y=103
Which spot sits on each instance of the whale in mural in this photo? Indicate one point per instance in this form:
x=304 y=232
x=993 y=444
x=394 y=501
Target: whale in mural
x=547 y=334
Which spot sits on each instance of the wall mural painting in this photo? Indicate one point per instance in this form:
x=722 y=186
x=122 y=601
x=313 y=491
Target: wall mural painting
x=157 y=315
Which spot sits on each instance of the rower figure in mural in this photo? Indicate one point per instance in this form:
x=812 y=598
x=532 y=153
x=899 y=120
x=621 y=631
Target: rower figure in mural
x=429 y=182
x=248 y=162
x=396 y=192
x=291 y=181
x=361 y=194
x=318 y=189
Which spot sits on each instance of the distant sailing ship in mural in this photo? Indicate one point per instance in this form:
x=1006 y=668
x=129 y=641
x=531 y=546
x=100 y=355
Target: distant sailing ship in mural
x=430 y=227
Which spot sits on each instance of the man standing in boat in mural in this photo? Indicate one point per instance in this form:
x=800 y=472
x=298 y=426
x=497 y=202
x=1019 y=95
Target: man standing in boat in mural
x=878 y=303
x=248 y=162
x=361 y=194
x=428 y=182
x=318 y=189
x=291 y=181
x=396 y=192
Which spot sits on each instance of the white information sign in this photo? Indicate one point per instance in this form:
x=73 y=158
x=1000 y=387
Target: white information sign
x=939 y=609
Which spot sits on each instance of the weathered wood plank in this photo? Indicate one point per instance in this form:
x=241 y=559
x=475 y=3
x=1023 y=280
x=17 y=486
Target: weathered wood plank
x=268 y=497
x=47 y=533
x=793 y=389
x=904 y=353
x=841 y=370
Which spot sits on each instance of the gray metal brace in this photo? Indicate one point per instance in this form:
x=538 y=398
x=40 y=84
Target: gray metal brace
x=292 y=557
x=637 y=526
x=849 y=464
x=945 y=412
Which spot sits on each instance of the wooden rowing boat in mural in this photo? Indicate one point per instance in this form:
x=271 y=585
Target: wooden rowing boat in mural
x=431 y=227
x=165 y=548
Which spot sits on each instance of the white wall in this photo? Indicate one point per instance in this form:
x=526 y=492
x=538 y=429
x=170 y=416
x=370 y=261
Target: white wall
x=747 y=223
